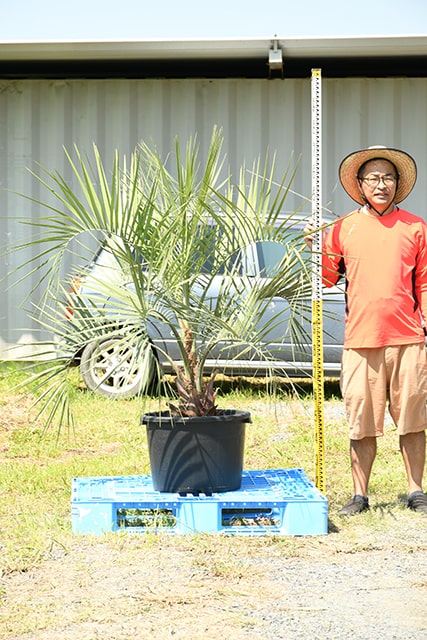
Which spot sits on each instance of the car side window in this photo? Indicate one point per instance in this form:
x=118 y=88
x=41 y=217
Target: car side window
x=270 y=256
x=262 y=258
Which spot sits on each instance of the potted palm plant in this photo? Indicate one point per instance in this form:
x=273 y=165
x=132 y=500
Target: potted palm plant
x=181 y=294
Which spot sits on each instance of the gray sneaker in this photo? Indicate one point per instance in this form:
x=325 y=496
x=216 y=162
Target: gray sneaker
x=356 y=505
x=417 y=501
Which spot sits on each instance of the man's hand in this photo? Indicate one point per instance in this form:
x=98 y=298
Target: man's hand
x=308 y=234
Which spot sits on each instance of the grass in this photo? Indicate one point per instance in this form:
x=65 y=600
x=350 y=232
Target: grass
x=36 y=540
x=36 y=469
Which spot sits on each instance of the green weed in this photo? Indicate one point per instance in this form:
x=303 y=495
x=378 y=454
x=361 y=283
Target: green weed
x=37 y=468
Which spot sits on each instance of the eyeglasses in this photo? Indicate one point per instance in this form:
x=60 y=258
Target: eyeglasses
x=373 y=181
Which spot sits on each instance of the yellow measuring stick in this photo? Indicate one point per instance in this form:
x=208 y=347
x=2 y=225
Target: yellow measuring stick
x=317 y=310
x=318 y=393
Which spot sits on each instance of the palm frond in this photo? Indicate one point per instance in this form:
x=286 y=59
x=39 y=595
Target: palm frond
x=174 y=228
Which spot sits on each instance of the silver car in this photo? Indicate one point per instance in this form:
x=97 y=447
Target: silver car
x=108 y=366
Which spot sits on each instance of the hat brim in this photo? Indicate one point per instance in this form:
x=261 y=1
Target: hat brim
x=404 y=163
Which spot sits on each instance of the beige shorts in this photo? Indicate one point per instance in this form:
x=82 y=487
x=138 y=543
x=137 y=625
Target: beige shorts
x=371 y=377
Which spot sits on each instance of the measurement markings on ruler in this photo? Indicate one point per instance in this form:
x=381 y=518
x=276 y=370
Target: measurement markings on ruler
x=317 y=310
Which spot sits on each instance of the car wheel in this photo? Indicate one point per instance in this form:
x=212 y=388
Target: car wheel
x=108 y=367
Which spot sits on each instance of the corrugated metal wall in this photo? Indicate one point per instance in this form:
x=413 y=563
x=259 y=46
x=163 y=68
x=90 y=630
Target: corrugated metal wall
x=39 y=117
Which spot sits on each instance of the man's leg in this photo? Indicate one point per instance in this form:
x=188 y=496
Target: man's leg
x=413 y=448
x=362 y=454
x=408 y=389
x=364 y=389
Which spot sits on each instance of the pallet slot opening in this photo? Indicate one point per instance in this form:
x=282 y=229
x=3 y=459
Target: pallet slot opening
x=134 y=517
x=250 y=517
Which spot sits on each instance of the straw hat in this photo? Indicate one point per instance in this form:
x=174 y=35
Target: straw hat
x=404 y=163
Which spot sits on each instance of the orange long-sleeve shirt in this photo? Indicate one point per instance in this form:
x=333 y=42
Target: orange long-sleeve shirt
x=384 y=261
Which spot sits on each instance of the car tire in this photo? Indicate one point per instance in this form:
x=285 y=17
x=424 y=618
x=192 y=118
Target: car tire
x=108 y=368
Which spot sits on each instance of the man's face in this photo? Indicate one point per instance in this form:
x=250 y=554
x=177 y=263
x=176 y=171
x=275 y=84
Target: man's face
x=378 y=183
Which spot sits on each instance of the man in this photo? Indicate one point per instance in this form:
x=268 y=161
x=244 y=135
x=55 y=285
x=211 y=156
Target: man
x=381 y=250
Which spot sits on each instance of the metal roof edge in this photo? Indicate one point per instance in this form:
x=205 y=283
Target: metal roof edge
x=238 y=48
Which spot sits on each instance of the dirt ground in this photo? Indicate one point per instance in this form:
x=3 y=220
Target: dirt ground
x=127 y=586
x=367 y=581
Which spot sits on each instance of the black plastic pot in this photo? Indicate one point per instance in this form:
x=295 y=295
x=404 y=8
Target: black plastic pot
x=196 y=455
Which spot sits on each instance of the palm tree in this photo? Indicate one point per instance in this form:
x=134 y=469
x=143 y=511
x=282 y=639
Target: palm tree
x=176 y=235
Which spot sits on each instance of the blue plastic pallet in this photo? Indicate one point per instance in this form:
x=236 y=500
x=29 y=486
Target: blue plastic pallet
x=275 y=501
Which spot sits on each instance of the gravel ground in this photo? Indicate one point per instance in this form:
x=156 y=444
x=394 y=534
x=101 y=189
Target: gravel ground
x=380 y=594
x=323 y=587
